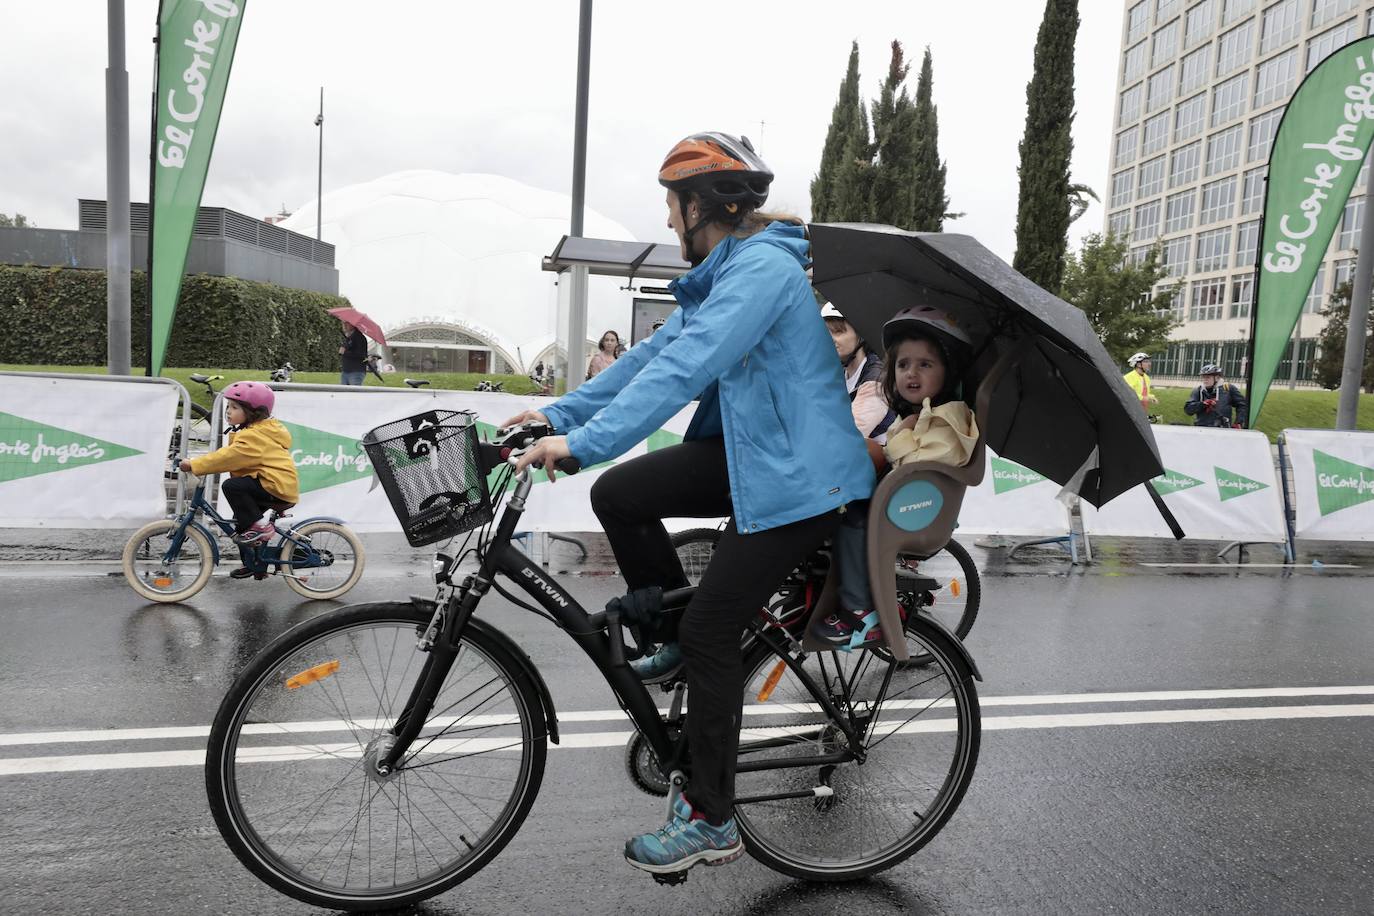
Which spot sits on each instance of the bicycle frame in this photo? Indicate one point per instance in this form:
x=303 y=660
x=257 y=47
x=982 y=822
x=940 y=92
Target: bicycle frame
x=599 y=636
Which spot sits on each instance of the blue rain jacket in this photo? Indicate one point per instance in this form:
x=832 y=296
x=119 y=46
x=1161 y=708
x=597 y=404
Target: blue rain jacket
x=746 y=339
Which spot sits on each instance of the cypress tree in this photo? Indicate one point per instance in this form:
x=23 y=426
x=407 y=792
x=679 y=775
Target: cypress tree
x=853 y=176
x=1042 y=213
x=848 y=110
x=928 y=201
x=890 y=198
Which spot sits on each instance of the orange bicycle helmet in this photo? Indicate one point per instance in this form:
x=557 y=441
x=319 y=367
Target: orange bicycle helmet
x=722 y=170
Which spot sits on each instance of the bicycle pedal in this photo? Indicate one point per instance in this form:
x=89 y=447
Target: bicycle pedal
x=672 y=879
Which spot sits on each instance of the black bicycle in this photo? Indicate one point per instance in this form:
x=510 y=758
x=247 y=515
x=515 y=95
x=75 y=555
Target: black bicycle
x=382 y=753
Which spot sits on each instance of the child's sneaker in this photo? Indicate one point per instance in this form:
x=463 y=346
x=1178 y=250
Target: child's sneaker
x=836 y=629
x=259 y=532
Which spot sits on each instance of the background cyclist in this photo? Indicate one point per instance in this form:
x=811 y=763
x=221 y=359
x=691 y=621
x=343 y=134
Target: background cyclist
x=773 y=444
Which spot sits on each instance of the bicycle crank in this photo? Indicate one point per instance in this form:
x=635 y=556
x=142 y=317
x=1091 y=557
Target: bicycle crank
x=644 y=769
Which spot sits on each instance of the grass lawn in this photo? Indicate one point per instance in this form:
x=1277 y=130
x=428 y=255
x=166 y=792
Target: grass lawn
x=457 y=381
x=1283 y=409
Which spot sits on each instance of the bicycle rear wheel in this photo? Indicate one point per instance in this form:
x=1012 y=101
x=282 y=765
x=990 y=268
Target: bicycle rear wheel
x=341 y=556
x=919 y=732
x=290 y=768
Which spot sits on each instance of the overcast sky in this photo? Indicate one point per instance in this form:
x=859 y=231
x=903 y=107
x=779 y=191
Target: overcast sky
x=479 y=87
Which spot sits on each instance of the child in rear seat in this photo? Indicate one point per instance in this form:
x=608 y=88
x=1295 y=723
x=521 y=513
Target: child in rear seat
x=926 y=354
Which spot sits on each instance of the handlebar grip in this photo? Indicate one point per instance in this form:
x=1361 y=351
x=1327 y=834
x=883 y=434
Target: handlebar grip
x=569 y=465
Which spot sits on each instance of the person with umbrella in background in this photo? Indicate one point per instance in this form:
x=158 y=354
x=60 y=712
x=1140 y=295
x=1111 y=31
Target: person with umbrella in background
x=357 y=327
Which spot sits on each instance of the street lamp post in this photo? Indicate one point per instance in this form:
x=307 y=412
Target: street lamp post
x=319 y=174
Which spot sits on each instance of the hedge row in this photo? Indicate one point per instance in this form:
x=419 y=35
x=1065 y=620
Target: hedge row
x=57 y=316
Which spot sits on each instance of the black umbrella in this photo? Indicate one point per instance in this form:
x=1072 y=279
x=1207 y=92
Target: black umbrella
x=1063 y=408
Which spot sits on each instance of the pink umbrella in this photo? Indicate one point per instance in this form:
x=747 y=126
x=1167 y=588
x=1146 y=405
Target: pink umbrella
x=361 y=322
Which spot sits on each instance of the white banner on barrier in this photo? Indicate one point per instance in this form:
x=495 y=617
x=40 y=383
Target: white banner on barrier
x=1333 y=483
x=1219 y=484
x=83 y=454
x=336 y=478
x=1013 y=500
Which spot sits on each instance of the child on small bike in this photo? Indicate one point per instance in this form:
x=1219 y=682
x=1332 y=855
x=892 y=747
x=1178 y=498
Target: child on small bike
x=926 y=356
x=262 y=475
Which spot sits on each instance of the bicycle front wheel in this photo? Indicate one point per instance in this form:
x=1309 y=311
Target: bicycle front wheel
x=158 y=577
x=336 y=566
x=290 y=768
x=917 y=732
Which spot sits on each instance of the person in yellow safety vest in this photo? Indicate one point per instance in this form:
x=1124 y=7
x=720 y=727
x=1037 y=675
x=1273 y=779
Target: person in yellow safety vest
x=1139 y=380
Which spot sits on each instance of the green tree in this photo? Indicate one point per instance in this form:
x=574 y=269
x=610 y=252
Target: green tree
x=929 y=204
x=894 y=126
x=1043 y=205
x=848 y=113
x=17 y=221
x=1331 y=344
x=1119 y=296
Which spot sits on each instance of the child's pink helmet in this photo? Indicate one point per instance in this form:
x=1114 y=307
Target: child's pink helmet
x=254 y=394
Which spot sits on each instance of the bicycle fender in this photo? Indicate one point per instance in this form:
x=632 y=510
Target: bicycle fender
x=527 y=668
x=317 y=518
x=958 y=645
x=209 y=536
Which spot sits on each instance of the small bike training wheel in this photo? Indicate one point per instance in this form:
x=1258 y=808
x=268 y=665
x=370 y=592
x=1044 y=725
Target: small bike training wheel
x=292 y=774
x=918 y=731
x=158 y=577
x=331 y=565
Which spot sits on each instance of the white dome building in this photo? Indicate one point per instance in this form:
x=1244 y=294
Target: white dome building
x=449 y=266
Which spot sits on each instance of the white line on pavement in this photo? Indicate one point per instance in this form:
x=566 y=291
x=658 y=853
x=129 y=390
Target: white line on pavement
x=122 y=761
x=166 y=733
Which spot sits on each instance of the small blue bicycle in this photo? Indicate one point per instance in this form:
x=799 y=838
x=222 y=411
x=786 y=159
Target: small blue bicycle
x=172 y=559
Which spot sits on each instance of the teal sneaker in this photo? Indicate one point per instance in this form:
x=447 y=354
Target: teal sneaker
x=682 y=843
x=656 y=667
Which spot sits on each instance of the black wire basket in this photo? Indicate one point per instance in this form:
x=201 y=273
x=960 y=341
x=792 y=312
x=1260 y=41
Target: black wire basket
x=429 y=467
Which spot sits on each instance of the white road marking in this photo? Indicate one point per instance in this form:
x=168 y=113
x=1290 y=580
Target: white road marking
x=579 y=740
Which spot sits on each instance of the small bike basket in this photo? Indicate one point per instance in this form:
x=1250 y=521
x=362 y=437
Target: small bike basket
x=428 y=465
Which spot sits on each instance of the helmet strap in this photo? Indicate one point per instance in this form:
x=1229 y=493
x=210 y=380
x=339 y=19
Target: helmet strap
x=689 y=232
x=852 y=353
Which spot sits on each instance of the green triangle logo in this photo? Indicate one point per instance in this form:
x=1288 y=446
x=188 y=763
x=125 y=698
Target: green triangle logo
x=1008 y=476
x=29 y=448
x=324 y=459
x=1341 y=484
x=661 y=438
x=1173 y=482
x=1230 y=484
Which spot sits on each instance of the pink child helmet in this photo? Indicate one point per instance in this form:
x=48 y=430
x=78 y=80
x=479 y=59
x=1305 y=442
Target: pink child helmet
x=254 y=394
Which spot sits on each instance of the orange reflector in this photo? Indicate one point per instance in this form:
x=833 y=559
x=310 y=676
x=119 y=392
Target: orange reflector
x=772 y=682
x=311 y=675
x=163 y=581
x=954 y=587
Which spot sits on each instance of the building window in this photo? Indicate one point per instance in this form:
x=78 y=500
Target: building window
x=1274 y=78
x=1262 y=129
x=1127 y=142
x=1349 y=235
x=1242 y=295
x=1223 y=150
x=1138 y=254
x=1164 y=9
x=1178 y=211
x=1369 y=23
x=1151 y=178
x=1193 y=71
x=1218 y=200
x=1342 y=271
x=1165 y=44
x=1147 y=221
x=1252 y=192
x=1121 y=189
x=1279 y=24
x=1189 y=117
x=1316 y=294
x=1159 y=90
x=1209 y=297
x=1134 y=65
x=1247 y=243
x=1137 y=21
x=1119 y=225
x=1155 y=134
x=1130 y=105
x=1213 y=250
x=1319 y=48
x=1228 y=99
x=1199 y=22
x=1235 y=48
x=1175 y=256
x=1183 y=164
x=1231 y=10
x=1324 y=11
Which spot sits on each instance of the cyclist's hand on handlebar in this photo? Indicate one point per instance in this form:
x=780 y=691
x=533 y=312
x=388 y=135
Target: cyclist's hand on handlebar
x=527 y=417
x=546 y=453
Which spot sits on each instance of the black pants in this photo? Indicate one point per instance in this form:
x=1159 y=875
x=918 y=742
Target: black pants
x=248 y=500
x=691 y=481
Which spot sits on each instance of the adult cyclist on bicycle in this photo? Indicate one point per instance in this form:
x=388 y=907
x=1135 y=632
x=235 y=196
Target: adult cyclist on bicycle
x=773 y=445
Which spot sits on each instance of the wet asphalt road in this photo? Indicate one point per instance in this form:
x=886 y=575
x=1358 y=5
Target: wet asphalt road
x=1269 y=814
